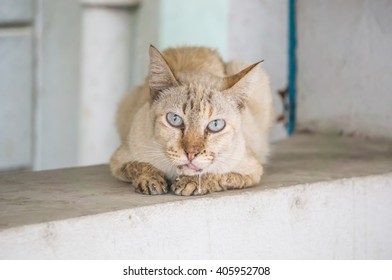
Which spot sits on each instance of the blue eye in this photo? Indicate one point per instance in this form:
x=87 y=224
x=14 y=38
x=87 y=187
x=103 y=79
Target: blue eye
x=174 y=120
x=216 y=125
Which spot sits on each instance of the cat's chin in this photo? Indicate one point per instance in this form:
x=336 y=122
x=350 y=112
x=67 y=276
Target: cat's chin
x=188 y=171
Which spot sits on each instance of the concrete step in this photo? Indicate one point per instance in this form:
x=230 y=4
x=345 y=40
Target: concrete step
x=323 y=196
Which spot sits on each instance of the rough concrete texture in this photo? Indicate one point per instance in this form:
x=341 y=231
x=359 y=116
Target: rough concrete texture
x=322 y=197
x=343 y=81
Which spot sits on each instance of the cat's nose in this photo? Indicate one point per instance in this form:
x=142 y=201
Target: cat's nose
x=191 y=153
x=191 y=156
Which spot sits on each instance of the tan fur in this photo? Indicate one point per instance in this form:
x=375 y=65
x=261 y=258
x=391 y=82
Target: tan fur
x=200 y=185
x=145 y=178
x=195 y=84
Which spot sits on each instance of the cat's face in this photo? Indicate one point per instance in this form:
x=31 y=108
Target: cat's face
x=198 y=127
x=197 y=119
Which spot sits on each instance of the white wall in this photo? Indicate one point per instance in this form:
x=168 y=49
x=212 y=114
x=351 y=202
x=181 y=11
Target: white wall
x=147 y=30
x=344 y=66
x=195 y=22
x=16 y=84
x=258 y=30
x=39 y=83
x=107 y=54
x=58 y=26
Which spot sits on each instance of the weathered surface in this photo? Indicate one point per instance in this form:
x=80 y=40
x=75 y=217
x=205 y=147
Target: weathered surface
x=36 y=197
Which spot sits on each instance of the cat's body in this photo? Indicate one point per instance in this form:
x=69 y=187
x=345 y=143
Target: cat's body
x=194 y=124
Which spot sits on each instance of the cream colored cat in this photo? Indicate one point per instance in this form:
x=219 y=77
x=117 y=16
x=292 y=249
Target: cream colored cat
x=197 y=124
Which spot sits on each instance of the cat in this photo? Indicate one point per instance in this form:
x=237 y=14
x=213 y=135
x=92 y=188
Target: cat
x=197 y=125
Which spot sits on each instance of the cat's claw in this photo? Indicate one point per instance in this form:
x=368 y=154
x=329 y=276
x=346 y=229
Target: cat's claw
x=151 y=186
x=188 y=185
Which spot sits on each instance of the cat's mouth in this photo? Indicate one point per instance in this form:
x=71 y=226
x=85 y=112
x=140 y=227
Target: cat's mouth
x=192 y=166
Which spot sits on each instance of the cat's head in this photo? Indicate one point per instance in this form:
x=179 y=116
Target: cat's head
x=197 y=116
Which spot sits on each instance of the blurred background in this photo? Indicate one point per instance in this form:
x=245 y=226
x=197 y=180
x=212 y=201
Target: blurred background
x=65 y=64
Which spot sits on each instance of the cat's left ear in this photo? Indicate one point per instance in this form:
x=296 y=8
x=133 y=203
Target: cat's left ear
x=239 y=85
x=160 y=76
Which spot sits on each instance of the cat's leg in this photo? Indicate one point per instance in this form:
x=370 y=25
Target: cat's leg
x=209 y=182
x=146 y=178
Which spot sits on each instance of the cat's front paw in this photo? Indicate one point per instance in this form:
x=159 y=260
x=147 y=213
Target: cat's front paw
x=145 y=178
x=188 y=185
x=151 y=185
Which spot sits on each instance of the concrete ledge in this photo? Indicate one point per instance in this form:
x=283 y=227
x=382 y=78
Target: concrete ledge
x=111 y=3
x=323 y=197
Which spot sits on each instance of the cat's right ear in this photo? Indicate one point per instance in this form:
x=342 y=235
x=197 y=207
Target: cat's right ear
x=160 y=76
x=240 y=84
